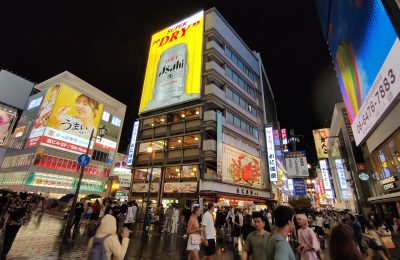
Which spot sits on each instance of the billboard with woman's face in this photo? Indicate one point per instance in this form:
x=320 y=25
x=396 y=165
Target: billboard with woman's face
x=7 y=118
x=71 y=121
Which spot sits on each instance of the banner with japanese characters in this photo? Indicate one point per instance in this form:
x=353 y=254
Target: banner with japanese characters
x=296 y=164
x=321 y=142
x=74 y=115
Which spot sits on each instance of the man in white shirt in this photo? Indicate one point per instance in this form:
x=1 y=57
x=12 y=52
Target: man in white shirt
x=208 y=234
x=175 y=219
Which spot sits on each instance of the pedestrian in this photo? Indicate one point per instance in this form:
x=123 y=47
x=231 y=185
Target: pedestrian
x=248 y=226
x=175 y=219
x=236 y=228
x=88 y=212
x=130 y=215
x=96 y=211
x=208 y=234
x=319 y=223
x=220 y=218
x=357 y=234
x=194 y=231
x=78 y=213
x=342 y=245
x=168 y=219
x=106 y=237
x=278 y=246
x=230 y=217
x=309 y=246
x=256 y=241
x=186 y=215
x=375 y=242
x=17 y=214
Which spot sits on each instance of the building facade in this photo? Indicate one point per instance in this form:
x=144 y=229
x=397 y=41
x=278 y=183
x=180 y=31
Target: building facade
x=56 y=126
x=212 y=147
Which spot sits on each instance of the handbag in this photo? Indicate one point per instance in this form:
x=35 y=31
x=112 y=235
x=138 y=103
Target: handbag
x=195 y=239
x=388 y=242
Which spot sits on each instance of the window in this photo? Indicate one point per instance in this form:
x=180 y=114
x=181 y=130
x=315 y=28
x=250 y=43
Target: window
x=191 y=140
x=241 y=124
x=173 y=172
x=238 y=80
x=192 y=113
x=116 y=121
x=35 y=103
x=239 y=63
x=229 y=94
x=189 y=171
x=240 y=101
x=154 y=121
x=105 y=116
x=148 y=122
x=140 y=174
x=157 y=146
x=175 y=143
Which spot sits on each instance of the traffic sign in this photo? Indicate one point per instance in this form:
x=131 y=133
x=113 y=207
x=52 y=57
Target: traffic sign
x=83 y=159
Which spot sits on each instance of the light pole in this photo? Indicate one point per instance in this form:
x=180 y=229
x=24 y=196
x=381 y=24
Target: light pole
x=71 y=215
x=147 y=220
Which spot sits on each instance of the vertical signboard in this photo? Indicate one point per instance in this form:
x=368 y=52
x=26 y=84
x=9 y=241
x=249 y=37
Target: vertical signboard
x=300 y=187
x=326 y=177
x=273 y=175
x=296 y=164
x=173 y=72
x=132 y=145
x=321 y=141
x=341 y=174
x=219 y=143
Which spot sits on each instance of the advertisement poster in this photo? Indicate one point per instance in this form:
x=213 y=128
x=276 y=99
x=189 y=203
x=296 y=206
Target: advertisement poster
x=321 y=142
x=219 y=143
x=180 y=187
x=43 y=116
x=72 y=120
x=7 y=120
x=173 y=72
x=300 y=187
x=241 y=168
x=144 y=187
x=365 y=49
x=273 y=174
x=296 y=164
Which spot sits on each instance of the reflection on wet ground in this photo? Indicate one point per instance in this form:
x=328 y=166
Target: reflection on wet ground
x=41 y=239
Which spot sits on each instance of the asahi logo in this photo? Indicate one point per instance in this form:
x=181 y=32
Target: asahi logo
x=169 y=68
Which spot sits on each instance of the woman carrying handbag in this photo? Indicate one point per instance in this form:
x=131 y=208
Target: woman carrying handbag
x=194 y=232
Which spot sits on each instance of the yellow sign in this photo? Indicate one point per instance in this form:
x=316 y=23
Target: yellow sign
x=173 y=73
x=74 y=115
x=321 y=142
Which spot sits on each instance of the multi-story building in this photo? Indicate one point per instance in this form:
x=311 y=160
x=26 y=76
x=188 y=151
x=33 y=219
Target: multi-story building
x=367 y=70
x=203 y=118
x=57 y=125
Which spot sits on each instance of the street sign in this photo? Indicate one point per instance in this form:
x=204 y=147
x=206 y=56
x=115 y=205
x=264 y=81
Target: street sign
x=83 y=159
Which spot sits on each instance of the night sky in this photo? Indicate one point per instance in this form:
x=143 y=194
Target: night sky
x=106 y=45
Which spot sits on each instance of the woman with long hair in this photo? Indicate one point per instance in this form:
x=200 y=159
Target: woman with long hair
x=194 y=231
x=342 y=245
x=309 y=245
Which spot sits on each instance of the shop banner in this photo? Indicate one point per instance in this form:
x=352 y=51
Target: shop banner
x=321 y=189
x=296 y=164
x=144 y=187
x=300 y=187
x=180 y=187
x=173 y=72
x=132 y=145
x=219 y=143
x=241 y=168
x=105 y=143
x=7 y=119
x=273 y=174
x=321 y=142
x=341 y=174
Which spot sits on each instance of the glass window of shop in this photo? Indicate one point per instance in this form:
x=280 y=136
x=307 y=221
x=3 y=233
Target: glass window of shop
x=157 y=146
x=188 y=114
x=191 y=140
x=141 y=174
x=154 y=121
x=175 y=143
x=173 y=172
x=189 y=171
x=181 y=172
x=386 y=159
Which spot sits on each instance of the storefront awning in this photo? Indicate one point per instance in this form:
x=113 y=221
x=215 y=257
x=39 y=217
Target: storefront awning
x=385 y=198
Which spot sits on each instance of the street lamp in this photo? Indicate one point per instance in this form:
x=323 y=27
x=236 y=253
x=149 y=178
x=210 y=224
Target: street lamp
x=67 y=231
x=147 y=220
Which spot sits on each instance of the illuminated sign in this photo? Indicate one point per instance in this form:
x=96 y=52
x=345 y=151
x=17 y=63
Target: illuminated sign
x=341 y=174
x=173 y=72
x=321 y=140
x=35 y=103
x=296 y=164
x=389 y=183
x=133 y=143
x=323 y=164
x=180 y=187
x=284 y=136
x=66 y=120
x=219 y=143
x=116 y=121
x=19 y=131
x=7 y=120
x=106 y=144
x=366 y=59
x=105 y=116
x=241 y=168
x=300 y=188
x=273 y=174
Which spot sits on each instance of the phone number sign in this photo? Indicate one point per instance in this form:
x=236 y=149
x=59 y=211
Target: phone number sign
x=383 y=92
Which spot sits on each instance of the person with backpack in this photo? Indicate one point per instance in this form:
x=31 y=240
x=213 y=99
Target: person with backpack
x=105 y=244
x=18 y=212
x=256 y=241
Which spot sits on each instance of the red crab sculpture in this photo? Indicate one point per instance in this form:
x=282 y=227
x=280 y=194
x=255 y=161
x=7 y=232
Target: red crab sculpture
x=245 y=169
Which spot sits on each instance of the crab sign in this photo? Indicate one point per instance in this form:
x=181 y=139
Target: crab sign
x=245 y=169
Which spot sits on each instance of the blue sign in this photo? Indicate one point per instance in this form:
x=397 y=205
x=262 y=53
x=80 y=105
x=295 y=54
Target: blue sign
x=83 y=159
x=300 y=187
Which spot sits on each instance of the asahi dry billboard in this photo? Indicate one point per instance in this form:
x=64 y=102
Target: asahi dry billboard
x=173 y=73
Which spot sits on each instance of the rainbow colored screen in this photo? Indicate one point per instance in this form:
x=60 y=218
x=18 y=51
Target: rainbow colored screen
x=360 y=36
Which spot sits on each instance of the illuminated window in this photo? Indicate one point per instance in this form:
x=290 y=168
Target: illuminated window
x=106 y=116
x=173 y=172
x=157 y=146
x=190 y=171
x=175 y=143
x=116 y=121
x=35 y=103
x=191 y=140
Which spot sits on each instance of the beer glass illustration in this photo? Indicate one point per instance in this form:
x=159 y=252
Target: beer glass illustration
x=171 y=78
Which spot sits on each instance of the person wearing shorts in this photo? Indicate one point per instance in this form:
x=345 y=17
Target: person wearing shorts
x=208 y=234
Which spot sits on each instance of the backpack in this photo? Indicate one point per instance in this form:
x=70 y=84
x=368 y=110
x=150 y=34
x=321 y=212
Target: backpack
x=98 y=250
